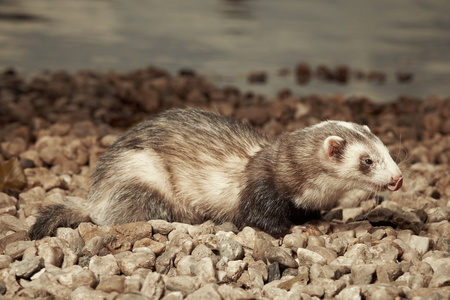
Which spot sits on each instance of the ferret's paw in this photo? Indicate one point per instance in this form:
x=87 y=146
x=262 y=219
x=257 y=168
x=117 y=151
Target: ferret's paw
x=297 y=229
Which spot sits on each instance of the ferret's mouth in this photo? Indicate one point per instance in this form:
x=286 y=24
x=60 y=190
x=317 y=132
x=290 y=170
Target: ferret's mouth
x=393 y=186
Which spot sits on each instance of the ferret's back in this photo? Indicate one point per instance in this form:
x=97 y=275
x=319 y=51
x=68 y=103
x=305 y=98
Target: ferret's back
x=179 y=130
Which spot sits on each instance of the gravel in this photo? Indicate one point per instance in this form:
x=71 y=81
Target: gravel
x=55 y=126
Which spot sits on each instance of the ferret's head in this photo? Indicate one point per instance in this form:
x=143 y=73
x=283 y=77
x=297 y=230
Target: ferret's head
x=359 y=156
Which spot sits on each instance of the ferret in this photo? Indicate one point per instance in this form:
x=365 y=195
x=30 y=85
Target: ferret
x=188 y=165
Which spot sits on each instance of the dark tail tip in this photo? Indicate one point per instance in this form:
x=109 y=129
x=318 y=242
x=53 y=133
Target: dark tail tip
x=54 y=216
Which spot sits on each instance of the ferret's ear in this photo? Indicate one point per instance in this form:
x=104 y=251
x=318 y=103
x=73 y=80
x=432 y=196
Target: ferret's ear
x=334 y=147
x=367 y=128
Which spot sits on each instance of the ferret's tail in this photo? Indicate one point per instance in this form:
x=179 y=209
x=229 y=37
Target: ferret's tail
x=58 y=215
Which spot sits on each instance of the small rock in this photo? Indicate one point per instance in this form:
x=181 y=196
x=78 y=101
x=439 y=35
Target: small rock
x=349 y=214
x=153 y=286
x=231 y=249
x=205 y=269
x=202 y=251
x=93 y=246
x=280 y=256
x=226 y=227
x=161 y=226
x=133 y=261
x=104 y=266
x=156 y=247
x=186 y=265
x=85 y=292
x=246 y=237
x=419 y=243
x=28 y=267
x=184 y=284
x=51 y=254
x=16 y=249
x=164 y=262
x=112 y=284
x=273 y=272
x=380 y=291
x=84 y=278
x=352 y=292
x=208 y=291
x=310 y=289
x=235 y=269
x=257 y=77
x=363 y=273
x=308 y=257
x=326 y=253
x=295 y=241
x=301 y=279
x=5 y=261
x=261 y=248
x=384 y=253
x=181 y=240
x=388 y=272
x=173 y=296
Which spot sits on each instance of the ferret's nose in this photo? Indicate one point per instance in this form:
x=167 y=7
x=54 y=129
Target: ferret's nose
x=396 y=183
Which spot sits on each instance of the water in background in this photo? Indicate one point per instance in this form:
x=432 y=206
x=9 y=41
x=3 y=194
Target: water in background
x=225 y=40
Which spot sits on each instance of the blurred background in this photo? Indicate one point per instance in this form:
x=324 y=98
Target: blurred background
x=380 y=49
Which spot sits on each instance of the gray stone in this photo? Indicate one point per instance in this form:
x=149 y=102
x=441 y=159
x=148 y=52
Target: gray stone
x=231 y=249
x=419 y=243
x=153 y=286
x=104 y=266
x=133 y=284
x=273 y=272
x=383 y=253
x=156 y=247
x=295 y=241
x=7 y=204
x=161 y=226
x=93 y=246
x=326 y=253
x=380 y=291
x=134 y=261
x=277 y=254
x=5 y=261
x=205 y=269
x=185 y=265
x=28 y=267
x=173 y=296
x=351 y=292
x=246 y=237
x=202 y=251
x=180 y=240
x=84 y=278
x=338 y=245
x=16 y=249
x=164 y=262
x=310 y=289
x=208 y=291
x=363 y=273
x=88 y=293
x=261 y=247
x=308 y=257
x=184 y=284
x=113 y=283
x=359 y=251
x=8 y=222
x=51 y=254
x=235 y=269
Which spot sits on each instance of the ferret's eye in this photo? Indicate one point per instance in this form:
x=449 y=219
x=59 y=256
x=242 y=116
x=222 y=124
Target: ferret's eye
x=368 y=161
